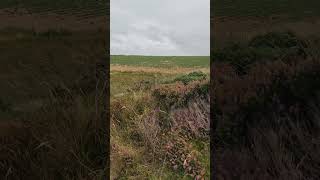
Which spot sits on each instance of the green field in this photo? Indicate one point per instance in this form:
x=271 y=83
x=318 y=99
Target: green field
x=162 y=61
x=236 y=8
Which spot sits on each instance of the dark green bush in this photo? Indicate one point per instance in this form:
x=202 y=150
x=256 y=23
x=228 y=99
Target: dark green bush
x=193 y=76
x=269 y=47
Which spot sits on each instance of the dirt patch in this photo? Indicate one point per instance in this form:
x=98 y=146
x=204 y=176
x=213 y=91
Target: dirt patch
x=50 y=20
x=173 y=70
x=233 y=29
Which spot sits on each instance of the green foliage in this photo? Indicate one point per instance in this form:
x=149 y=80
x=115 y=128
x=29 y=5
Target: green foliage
x=179 y=94
x=193 y=76
x=272 y=46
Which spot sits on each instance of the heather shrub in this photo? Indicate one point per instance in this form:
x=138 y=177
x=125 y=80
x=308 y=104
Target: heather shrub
x=178 y=94
x=266 y=119
x=161 y=123
x=276 y=87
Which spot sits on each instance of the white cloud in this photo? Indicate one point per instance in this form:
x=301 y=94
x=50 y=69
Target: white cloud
x=166 y=27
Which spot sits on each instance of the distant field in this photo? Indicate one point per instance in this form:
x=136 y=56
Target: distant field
x=92 y=7
x=162 y=61
x=50 y=3
x=265 y=7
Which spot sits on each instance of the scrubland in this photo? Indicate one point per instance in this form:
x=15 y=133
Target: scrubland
x=159 y=118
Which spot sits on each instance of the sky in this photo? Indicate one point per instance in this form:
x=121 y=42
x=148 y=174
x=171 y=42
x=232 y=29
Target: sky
x=160 y=27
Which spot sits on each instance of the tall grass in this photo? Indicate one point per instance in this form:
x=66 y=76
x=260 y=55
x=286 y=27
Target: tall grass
x=57 y=142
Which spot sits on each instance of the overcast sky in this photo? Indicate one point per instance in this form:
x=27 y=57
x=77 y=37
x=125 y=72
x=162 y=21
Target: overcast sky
x=160 y=27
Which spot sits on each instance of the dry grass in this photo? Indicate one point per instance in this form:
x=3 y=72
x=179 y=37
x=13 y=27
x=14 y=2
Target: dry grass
x=173 y=70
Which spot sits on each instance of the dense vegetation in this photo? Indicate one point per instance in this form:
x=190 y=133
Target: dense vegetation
x=50 y=123
x=159 y=122
x=266 y=106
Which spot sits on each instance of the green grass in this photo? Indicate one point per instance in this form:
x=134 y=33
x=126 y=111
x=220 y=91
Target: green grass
x=162 y=61
x=124 y=82
x=265 y=7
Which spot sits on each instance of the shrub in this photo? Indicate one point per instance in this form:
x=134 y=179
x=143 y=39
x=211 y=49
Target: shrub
x=193 y=76
x=269 y=47
x=178 y=94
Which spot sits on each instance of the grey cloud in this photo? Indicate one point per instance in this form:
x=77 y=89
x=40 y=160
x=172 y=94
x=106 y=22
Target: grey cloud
x=176 y=27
